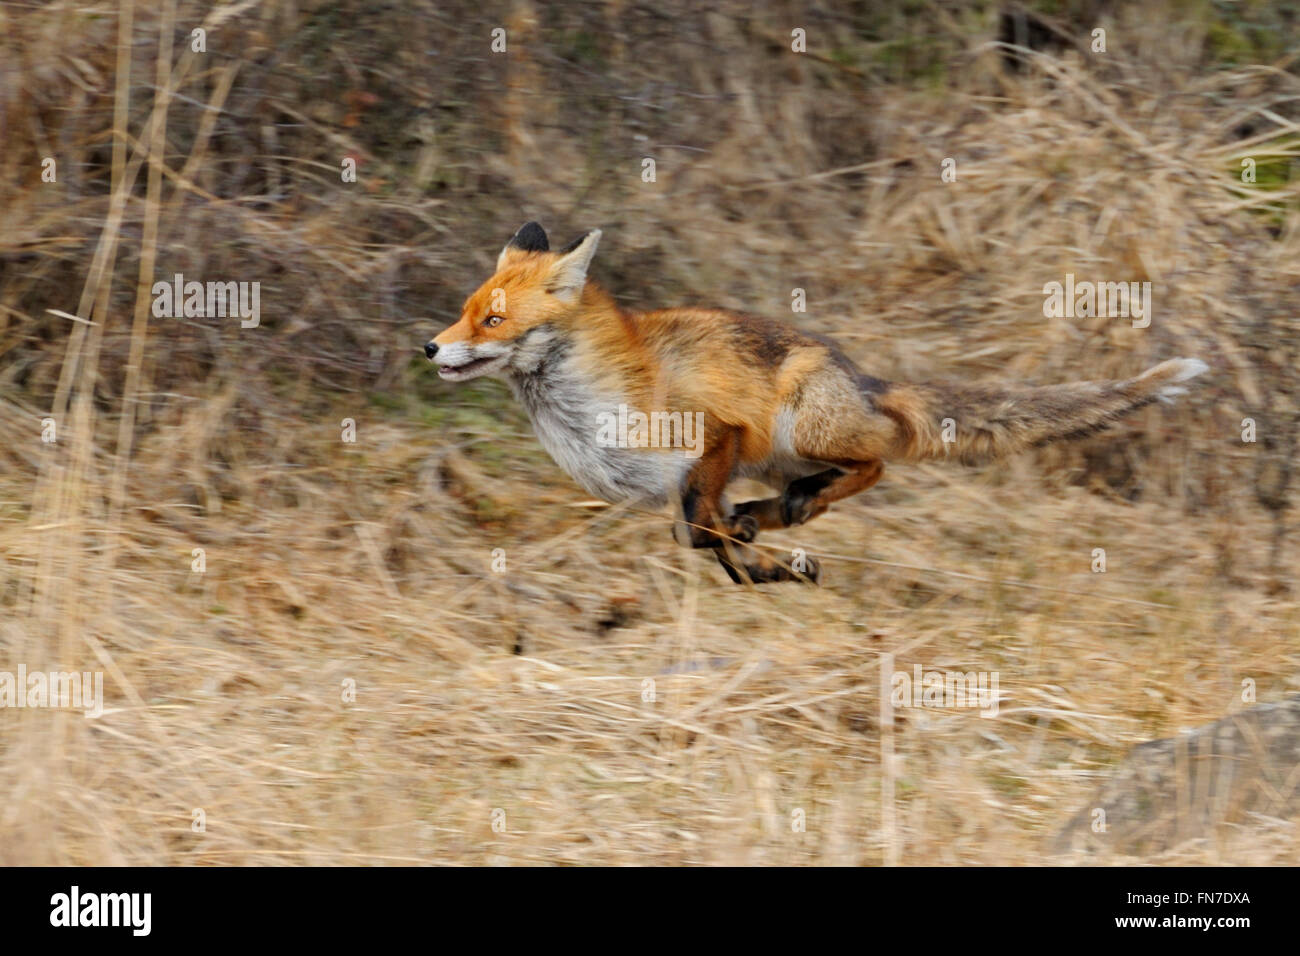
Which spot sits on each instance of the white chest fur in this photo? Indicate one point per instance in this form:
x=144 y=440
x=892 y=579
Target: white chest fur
x=567 y=412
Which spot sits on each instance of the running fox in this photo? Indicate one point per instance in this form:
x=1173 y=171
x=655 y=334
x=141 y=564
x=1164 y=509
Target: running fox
x=776 y=404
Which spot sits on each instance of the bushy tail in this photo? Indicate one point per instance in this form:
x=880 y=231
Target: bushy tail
x=976 y=423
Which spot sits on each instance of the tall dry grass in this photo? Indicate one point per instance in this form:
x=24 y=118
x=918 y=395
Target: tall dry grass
x=526 y=691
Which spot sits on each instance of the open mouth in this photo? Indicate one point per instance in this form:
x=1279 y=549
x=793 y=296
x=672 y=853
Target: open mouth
x=472 y=369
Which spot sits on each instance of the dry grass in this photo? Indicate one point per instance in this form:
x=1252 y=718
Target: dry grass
x=329 y=562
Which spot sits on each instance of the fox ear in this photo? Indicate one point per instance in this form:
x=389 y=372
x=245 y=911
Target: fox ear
x=531 y=237
x=569 y=274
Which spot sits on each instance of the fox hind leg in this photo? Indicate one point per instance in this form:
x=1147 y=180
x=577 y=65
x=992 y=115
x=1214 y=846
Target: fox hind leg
x=809 y=497
x=802 y=500
x=806 y=498
x=791 y=507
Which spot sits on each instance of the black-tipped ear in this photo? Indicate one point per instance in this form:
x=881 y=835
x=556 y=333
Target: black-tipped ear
x=531 y=237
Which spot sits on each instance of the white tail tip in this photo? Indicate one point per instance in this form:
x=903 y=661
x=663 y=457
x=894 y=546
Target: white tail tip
x=1182 y=370
x=1189 y=368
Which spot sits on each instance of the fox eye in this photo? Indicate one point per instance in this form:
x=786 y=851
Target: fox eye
x=492 y=321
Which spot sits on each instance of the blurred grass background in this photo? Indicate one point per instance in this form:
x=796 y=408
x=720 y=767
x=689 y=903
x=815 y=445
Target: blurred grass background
x=370 y=562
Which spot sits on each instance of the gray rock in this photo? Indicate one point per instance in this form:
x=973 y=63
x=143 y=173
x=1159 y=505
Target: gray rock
x=1168 y=791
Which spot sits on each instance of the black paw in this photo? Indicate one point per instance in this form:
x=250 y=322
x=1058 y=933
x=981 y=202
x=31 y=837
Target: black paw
x=805 y=570
x=799 y=501
x=798 y=508
x=740 y=528
x=792 y=507
x=744 y=527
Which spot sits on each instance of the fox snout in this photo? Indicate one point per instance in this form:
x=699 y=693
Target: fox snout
x=460 y=361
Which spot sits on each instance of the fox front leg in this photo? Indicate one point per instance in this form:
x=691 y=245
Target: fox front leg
x=705 y=520
x=705 y=523
x=745 y=564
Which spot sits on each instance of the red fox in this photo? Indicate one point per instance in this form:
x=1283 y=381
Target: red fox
x=771 y=402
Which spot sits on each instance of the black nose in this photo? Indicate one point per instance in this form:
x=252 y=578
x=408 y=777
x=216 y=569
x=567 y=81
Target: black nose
x=430 y=349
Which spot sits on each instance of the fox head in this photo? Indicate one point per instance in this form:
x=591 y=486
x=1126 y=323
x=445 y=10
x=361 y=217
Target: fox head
x=509 y=321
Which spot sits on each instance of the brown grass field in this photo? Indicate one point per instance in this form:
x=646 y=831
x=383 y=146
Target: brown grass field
x=611 y=698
